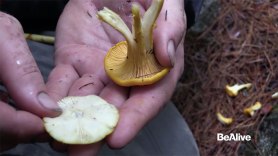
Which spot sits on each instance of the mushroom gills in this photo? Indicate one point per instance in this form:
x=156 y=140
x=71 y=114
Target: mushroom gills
x=84 y=120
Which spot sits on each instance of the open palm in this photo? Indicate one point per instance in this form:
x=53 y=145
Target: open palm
x=82 y=41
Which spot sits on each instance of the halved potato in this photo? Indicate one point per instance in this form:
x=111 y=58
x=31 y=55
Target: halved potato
x=84 y=120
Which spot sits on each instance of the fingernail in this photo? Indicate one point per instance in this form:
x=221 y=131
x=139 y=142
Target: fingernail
x=48 y=103
x=171 y=52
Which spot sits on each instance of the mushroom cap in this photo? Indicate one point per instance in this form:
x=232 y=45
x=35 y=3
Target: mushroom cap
x=123 y=71
x=84 y=120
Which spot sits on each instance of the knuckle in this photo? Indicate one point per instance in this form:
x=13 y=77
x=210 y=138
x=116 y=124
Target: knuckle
x=29 y=69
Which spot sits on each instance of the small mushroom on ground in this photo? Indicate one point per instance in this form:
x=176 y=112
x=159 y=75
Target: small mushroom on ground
x=251 y=110
x=275 y=95
x=234 y=90
x=133 y=62
x=224 y=120
x=84 y=120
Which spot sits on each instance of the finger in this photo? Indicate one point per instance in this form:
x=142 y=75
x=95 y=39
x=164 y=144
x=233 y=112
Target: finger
x=169 y=31
x=60 y=80
x=114 y=94
x=144 y=103
x=86 y=85
x=135 y=112
x=17 y=126
x=19 y=71
x=84 y=58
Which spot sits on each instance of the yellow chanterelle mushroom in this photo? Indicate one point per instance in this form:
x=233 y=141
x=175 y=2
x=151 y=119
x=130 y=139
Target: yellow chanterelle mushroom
x=133 y=62
x=233 y=90
x=251 y=110
x=224 y=120
x=84 y=120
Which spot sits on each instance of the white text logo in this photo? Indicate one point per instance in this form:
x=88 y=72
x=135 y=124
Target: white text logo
x=233 y=137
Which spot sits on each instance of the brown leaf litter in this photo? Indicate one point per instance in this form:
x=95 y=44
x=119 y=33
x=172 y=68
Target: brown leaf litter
x=239 y=46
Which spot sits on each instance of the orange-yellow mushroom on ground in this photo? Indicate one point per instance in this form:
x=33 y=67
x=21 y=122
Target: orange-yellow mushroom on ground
x=234 y=90
x=251 y=110
x=224 y=120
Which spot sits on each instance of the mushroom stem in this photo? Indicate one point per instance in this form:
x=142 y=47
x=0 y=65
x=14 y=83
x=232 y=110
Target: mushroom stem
x=143 y=32
x=114 y=20
x=148 y=22
x=137 y=47
x=40 y=38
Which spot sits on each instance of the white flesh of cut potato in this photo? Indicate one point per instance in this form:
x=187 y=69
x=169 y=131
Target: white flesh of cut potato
x=84 y=120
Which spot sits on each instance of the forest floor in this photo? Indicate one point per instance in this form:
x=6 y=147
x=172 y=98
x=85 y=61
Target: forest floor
x=233 y=42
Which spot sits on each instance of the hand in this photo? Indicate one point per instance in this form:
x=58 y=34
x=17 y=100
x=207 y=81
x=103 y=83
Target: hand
x=81 y=43
x=20 y=75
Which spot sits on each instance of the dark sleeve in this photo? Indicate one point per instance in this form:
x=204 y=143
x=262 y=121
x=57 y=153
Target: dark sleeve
x=192 y=10
x=34 y=15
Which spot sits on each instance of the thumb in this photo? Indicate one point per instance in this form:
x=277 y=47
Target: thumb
x=19 y=72
x=169 y=32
